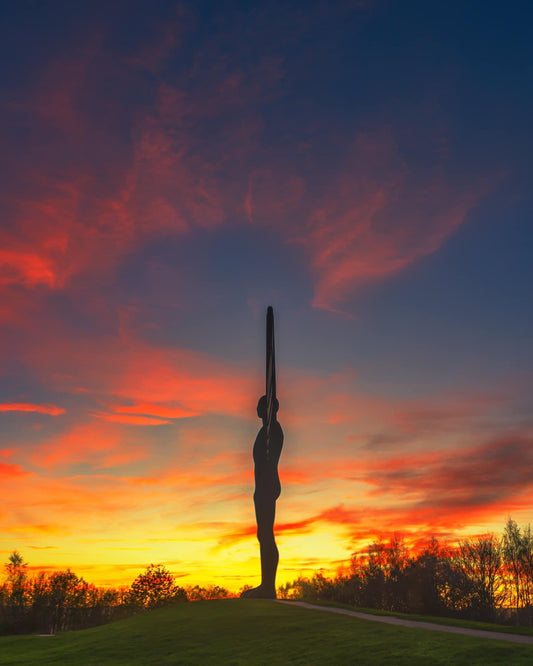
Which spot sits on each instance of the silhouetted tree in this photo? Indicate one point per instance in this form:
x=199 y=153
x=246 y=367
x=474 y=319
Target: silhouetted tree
x=66 y=592
x=396 y=564
x=481 y=561
x=374 y=576
x=513 y=557
x=15 y=591
x=382 y=573
x=16 y=578
x=527 y=566
x=427 y=576
x=155 y=587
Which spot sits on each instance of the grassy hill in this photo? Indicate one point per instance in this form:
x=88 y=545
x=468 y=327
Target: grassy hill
x=254 y=632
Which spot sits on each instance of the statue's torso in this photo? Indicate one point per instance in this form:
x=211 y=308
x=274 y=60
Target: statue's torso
x=266 y=458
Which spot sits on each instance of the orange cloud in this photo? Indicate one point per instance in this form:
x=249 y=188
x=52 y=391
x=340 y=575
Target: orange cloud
x=168 y=411
x=337 y=515
x=161 y=383
x=102 y=446
x=53 y=410
x=131 y=419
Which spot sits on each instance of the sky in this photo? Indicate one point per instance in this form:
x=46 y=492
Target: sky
x=168 y=171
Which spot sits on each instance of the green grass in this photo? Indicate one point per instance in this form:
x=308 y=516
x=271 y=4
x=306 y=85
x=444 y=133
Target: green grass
x=449 y=621
x=255 y=632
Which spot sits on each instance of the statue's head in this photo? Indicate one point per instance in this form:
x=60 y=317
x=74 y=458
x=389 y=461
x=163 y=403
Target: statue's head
x=262 y=407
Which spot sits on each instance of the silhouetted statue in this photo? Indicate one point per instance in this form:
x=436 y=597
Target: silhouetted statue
x=267 y=450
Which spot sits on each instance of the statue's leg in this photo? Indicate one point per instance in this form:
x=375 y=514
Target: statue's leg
x=267 y=546
x=265 y=511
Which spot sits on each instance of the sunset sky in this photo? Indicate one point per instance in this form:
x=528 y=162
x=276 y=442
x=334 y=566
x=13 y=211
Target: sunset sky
x=171 y=169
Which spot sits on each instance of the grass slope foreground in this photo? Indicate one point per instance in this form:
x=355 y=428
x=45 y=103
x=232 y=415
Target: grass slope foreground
x=248 y=632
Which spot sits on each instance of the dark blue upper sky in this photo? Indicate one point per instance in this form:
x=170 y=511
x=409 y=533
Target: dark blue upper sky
x=273 y=97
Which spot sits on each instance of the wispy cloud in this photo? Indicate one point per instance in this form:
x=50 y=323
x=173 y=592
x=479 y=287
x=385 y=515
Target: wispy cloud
x=131 y=419
x=379 y=217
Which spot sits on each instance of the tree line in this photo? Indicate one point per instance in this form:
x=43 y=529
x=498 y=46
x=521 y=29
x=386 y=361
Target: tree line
x=487 y=578
x=50 y=602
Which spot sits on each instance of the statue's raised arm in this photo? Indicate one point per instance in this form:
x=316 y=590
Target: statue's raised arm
x=270 y=374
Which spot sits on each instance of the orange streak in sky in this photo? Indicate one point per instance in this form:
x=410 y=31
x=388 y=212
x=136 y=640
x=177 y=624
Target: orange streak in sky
x=131 y=419
x=53 y=410
x=165 y=411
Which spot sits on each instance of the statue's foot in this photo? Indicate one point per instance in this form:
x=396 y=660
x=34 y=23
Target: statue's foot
x=261 y=592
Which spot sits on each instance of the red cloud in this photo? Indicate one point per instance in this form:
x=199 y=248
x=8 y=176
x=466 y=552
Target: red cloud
x=26 y=266
x=60 y=228
x=12 y=471
x=448 y=489
x=374 y=217
x=168 y=180
x=490 y=470
x=51 y=241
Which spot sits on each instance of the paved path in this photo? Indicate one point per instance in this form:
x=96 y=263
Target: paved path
x=430 y=626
